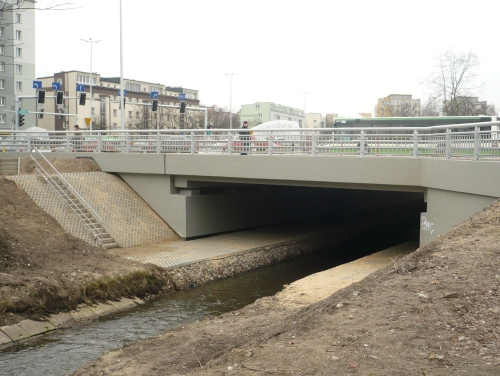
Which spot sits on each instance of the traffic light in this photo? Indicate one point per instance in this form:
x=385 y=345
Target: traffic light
x=155 y=105
x=41 y=96
x=40 y=114
x=122 y=103
x=21 y=120
x=208 y=127
x=59 y=98
x=183 y=107
x=83 y=97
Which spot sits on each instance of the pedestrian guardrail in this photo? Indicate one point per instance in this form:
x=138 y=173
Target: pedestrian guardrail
x=69 y=195
x=474 y=141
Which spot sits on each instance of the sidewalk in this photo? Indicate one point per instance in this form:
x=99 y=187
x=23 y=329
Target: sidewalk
x=179 y=252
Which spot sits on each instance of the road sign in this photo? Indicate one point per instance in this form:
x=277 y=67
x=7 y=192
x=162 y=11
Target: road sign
x=37 y=84
x=22 y=112
x=56 y=86
x=154 y=95
x=124 y=92
x=182 y=96
x=87 y=121
x=80 y=88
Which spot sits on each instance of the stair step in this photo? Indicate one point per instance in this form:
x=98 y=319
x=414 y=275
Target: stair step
x=9 y=164
x=111 y=245
x=108 y=240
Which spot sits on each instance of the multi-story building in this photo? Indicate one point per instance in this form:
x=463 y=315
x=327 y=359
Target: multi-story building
x=397 y=105
x=260 y=112
x=314 y=120
x=106 y=106
x=17 y=61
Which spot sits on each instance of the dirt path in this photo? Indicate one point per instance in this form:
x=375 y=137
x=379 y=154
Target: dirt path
x=433 y=312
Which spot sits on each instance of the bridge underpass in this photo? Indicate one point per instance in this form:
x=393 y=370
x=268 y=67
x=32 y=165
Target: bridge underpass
x=200 y=195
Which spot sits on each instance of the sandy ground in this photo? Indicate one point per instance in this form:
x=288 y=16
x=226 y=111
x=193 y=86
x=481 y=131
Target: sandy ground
x=319 y=286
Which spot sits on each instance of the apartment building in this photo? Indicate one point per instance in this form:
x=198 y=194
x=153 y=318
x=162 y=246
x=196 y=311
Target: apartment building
x=261 y=112
x=17 y=61
x=106 y=107
x=397 y=105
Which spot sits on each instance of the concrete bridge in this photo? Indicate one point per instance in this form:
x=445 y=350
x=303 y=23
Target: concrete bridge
x=203 y=186
x=199 y=195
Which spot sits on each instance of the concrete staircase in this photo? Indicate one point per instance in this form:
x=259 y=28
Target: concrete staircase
x=83 y=213
x=9 y=166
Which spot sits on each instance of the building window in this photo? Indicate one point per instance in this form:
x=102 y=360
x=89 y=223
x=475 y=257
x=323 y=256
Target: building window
x=2 y=84
x=18 y=18
x=19 y=86
x=2 y=49
x=114 y=125
x=2 y=31
x=2 y=66
x=19 y=52
x=133 y=87
x=115 y=113
x=81 y=79
x=257 y=106
x=2 y=101
x=19 y=35
x=93 y=111
x=137 y=114
x=260 y=115
x=19 y=69
x=2 y=119
x=130 y=114
x=60 y=80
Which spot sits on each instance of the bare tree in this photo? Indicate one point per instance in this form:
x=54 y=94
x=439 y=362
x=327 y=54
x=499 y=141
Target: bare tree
x=430 y=107
x=454 y=79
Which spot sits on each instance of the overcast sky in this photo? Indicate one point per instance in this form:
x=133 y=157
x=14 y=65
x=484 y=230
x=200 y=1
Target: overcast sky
x=346 y=54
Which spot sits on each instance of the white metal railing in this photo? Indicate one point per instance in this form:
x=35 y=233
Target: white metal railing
x=474 y=140
x=65 y=190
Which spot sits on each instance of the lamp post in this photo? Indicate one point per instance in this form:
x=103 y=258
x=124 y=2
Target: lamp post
x=122 y=96
x=231 y=98
x=305 y=93
x=90 y=78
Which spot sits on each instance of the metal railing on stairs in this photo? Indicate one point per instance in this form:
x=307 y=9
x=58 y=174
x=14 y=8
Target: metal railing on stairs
x=70 y=196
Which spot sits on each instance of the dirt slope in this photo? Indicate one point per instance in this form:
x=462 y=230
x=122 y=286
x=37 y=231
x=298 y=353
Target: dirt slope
x=45 y=270
x=433 y=312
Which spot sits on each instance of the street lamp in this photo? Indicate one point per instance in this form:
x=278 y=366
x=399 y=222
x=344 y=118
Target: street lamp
x=90 y=78
x=305 y=93
x=231 y=98
x=122 y=95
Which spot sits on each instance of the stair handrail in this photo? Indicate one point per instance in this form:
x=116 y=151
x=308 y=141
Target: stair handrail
x=97 y=232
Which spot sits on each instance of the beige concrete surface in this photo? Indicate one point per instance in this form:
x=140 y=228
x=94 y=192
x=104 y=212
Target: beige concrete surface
x=4 y=338
x=319 y=286
x=36 y=327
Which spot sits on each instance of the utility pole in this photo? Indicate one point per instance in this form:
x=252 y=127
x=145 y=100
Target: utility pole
x=305 y=93
x=231 y=98
x=90 y=78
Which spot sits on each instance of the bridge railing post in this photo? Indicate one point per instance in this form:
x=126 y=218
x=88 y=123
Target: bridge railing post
x=158 y=143
x=362 y=144
x=448 y=143
x=28 y=144
x=127 y=142
x=68 y=143
x=230 y=143
x=193 y=142
x=415 y=144
x=477 y=143
x=270 y=143
x=99 y=142
x=314 y=143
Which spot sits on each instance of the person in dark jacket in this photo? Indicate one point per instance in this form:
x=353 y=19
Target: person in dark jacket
x=245 y=137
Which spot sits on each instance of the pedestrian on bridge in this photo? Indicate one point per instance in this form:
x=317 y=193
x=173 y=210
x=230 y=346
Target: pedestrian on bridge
x=245 y=137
